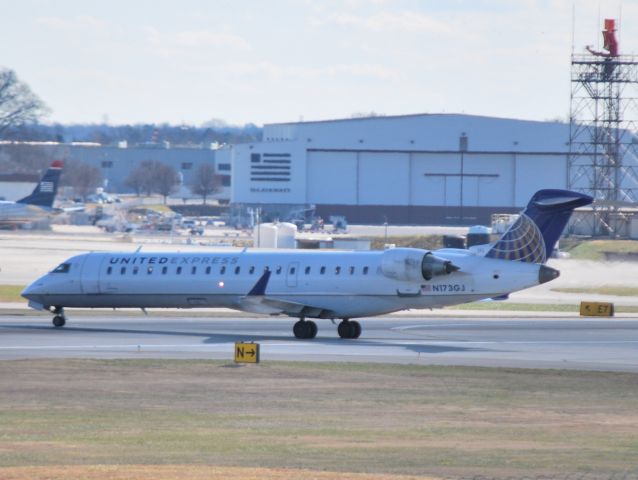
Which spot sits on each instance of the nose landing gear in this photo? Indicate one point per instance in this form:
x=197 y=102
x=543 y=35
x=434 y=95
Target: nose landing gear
x=59 y=319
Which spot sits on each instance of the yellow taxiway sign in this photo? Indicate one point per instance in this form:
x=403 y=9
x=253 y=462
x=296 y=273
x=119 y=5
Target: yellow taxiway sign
x=246 y=352
x=596 y=309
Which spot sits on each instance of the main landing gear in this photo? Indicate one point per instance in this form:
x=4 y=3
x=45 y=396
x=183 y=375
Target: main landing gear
x=307 y=329
x=349 y=329
x=59 y=319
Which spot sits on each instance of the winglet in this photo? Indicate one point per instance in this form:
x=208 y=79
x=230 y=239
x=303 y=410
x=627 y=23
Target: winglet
x=260 y=286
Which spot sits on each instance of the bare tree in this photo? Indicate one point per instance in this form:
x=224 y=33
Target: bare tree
x=206 y=181
x=138 y=179
x=18 y=104
x=165 y=179
x=84 y=178
x=153 y=177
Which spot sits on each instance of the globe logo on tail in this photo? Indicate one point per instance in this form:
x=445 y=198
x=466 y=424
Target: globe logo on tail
x=523 y=241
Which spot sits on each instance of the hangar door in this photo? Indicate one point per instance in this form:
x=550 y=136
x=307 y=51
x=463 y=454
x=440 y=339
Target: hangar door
x=384 y=178
x=476 y=180
x=332 y=178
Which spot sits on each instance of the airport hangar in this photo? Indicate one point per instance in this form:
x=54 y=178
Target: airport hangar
x=409 y=169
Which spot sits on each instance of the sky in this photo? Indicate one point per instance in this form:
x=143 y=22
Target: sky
x=265 y=61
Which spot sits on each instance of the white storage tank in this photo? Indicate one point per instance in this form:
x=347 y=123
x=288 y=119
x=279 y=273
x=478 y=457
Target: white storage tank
x=265 y=236
x=286 y=233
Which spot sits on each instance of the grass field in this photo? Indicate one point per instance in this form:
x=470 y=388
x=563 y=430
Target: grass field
x=11 y=293
x=182 y=472
x=532 y=307
x=156 y=416
x=601 y=290
x=595 y=249
x=427 y=242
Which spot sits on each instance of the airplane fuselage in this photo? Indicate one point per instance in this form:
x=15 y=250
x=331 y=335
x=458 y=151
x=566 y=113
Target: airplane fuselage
x=17 y=213
x=315 y=284
x=301 y=283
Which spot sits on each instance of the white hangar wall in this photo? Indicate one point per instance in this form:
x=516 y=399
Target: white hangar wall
x=332 y=178
x=407 y=169
x=417 y=179
x=432 y=132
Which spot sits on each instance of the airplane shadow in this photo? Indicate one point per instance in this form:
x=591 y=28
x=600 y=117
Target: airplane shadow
x=130 y=331
x=213 y=338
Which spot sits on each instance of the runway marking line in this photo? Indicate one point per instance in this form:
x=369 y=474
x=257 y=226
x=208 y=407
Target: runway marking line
x=411 y=327
x=392 y=343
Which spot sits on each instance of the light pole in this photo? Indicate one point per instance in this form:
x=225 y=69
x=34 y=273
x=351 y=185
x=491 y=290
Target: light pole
x=385 y=224
x=462 y=149
x=258 y=218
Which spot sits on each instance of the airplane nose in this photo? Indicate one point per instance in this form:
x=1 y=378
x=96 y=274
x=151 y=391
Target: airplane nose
x=31 y=291
x=547 y=274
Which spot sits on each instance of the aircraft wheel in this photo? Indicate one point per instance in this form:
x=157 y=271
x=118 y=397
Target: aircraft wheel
x=355 y=329
x=305 y=329
x=311 y=329
x=59 y=321
x=298 y=329
x=349 y=329
x=345 y=329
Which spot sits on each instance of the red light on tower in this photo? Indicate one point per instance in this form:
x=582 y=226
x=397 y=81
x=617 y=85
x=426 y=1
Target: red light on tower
x=610 y=43
x=609 y=35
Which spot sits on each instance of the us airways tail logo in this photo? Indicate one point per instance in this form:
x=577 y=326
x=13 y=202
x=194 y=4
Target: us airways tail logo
x=46 y=187
x=523 y=241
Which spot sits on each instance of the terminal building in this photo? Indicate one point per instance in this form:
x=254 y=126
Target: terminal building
x=409 y=169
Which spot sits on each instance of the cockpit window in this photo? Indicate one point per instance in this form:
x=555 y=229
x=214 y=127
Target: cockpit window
x=62 y=268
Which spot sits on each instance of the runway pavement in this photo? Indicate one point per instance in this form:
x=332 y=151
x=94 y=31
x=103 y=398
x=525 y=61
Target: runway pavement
x=574 y=343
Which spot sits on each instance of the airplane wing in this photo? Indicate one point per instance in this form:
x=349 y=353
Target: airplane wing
x=256 y=301
x=74 y=208
x=77 y=208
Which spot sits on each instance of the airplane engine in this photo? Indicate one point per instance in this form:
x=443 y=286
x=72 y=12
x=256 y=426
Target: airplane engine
x=413 y=264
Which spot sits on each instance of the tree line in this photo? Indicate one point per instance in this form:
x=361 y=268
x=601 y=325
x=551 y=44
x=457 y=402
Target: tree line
x=151 y=177
x=134 y=135
x=156 y=177
x=21 y=109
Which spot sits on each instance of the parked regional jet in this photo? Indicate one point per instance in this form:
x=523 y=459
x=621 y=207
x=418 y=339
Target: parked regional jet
x=312 y=284
x=38 y=205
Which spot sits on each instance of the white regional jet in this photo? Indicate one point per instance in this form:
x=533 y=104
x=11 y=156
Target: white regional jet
x=312 y=284
x=39 y=204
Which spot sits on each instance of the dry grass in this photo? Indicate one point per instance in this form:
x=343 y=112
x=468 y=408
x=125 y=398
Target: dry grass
x=11 y=293
x=617 y=290
x=180 y=472
x=596 y=249
x=366 y=418
x=427 y=242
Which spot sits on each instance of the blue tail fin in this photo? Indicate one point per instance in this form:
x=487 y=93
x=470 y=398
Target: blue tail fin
x=533 y=236
x=44 y=192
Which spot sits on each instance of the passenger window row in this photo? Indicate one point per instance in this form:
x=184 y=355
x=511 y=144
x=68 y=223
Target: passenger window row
x=237 y=270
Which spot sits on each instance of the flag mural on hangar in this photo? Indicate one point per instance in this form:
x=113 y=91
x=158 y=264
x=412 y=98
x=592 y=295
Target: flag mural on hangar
x=270 y=167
